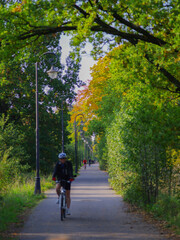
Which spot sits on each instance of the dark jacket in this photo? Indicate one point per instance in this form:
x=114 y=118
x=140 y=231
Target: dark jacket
x=63 y=171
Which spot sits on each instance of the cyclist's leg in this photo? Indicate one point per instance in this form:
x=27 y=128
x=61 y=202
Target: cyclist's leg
x=68 y=198
x=58 y=187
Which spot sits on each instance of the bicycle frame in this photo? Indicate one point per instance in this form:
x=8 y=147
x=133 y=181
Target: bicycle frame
x=62 y=199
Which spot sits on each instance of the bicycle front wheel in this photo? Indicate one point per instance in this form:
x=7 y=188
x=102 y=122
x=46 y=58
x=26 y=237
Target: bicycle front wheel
x=62 y=207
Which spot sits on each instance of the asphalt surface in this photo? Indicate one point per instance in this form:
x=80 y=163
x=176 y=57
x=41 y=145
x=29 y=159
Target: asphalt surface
x=97 y=213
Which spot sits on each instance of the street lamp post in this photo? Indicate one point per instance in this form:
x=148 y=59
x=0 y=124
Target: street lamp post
x=52 y=74
x=63 y=98
x=62 y=123
x=84 y=149
x=82 y=145
x=75 y=130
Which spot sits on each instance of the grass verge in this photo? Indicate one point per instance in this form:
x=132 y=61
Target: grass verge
x=165 y=212
x=168 y=208
x=18 y=199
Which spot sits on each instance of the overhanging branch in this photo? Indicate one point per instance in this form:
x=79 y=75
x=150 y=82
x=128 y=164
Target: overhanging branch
x=170 y=77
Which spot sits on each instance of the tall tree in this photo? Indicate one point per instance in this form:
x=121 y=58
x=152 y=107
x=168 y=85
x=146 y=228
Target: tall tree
x=17 y=98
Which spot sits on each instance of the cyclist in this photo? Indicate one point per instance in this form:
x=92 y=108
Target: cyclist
x=63 y=171
x=84 y=162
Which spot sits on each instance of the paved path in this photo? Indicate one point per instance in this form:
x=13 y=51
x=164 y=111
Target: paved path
x=97 y=213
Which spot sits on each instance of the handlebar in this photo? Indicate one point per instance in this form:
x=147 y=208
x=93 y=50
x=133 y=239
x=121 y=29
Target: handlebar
x=63 y=181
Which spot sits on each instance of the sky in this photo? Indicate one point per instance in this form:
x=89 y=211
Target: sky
x=86 y=62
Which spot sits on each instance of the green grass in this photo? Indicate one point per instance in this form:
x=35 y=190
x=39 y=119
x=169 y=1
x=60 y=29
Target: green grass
x=19 y=198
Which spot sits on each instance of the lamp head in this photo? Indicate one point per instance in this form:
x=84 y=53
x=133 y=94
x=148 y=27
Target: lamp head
x=52 y=73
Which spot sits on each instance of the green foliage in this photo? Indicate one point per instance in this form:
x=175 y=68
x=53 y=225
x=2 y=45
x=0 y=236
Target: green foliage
x=133 y=193
x=13 y=156
x=138 y=139
x=136 y=111
x=137 y=131
x=19 y=198
x=102 y=154
x=152 y=24
x=70 y=149
x=15 y=203
x=17 y=99
x=136 y=124
x=167 y=208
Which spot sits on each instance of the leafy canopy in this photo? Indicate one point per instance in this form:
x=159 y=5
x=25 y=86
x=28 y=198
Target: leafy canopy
x=152 y=23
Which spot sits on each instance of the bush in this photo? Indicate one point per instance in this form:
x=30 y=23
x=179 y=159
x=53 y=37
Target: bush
x=134 y=194
x=103 y=154
x=12 y=154
x=167 y=208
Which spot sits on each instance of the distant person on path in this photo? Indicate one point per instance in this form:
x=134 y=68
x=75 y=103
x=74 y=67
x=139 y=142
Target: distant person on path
x=63 y=171
x=89 y=162
x=84 y=162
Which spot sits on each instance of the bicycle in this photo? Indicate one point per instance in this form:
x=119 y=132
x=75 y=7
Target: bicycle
x=62 y=199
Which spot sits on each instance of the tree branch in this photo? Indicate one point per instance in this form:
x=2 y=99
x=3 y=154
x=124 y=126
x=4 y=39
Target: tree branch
x=169 y=76
x=149 y=37
x=108 y=29
x=131 y=37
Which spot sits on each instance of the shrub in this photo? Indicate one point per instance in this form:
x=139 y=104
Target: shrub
x=168 y=208
x=12 y=154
